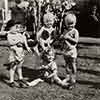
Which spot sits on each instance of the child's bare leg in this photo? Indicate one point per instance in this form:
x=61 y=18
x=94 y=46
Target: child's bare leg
x=74 y=70
x=36 y=50
x=67 y=78
x=60 y=82
x=19 y=70
x=22 y=82
x=12 y=72
x=70 y=69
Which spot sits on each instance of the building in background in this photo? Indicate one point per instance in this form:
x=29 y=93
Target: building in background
x=4 y=11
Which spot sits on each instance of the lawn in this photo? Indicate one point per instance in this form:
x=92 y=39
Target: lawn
x=87 y=87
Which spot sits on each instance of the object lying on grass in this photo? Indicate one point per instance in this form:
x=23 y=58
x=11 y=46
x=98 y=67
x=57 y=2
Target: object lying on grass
x=35 y=82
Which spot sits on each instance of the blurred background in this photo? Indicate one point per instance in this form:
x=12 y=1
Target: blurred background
x=88 y=18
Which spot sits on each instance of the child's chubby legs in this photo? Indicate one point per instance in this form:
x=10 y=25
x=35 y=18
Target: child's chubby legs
x=17 y=55
x=12 y=66
x=70 y=69
x=21 y=81
x=19 y=70
x=12 y=73
x=60 y=82
x=15 y=64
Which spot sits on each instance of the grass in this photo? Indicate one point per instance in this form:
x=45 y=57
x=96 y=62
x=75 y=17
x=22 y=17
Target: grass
x=87 y=87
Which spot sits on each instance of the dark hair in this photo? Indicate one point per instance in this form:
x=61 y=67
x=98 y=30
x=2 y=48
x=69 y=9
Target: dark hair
x=17 y=1
x=11 y=23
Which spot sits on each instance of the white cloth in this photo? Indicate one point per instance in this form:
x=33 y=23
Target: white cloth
x=15 y=52
x=42 y=29
x=14 y=38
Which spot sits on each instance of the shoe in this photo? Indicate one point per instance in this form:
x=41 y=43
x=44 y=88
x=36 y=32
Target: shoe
x=66 y=80
x=65 y=85
x=71 y=86
x=12 y=84
x=23 y=83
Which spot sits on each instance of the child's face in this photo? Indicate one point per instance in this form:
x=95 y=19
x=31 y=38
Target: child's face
x=94 y=9
x=49 y=23
x=70 y=22
x=70 y=26
x=48 y=9
x=19 y=28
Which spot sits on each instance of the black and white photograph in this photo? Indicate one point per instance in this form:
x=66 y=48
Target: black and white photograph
x=49 y=49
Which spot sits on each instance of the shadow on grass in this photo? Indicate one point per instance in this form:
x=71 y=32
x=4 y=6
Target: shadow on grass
x=4 y=79
x=93 y=84
x=89 y=71
x=87 y=82
x=32 y=74
x=97 y=86
x=89 y=57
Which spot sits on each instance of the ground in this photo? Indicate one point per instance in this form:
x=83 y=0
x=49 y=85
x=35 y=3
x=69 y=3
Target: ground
x=87 y=87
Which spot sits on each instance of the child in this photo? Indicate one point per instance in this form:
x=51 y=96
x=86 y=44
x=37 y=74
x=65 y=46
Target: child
x=48 y=21
x=70 y=36
x=48 y=70
x=16 y=41
x=47 y=30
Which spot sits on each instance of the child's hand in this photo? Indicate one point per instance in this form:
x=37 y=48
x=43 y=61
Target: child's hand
x=62 y=36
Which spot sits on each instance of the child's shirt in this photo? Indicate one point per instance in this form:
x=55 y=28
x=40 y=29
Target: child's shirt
x=49 y=30
x=15 y=38
x=45 y=43
x=16 y=41
x=71 y=39
x=70 y=42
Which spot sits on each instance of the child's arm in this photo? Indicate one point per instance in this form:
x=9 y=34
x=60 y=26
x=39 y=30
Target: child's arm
x=53 y=74
x=42 y=43
x=38 y=35
x=26 y=45
x=26 y=34
x=73 y=39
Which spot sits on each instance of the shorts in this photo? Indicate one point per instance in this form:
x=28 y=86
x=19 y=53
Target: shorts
x=16 y=54
x=71 y=53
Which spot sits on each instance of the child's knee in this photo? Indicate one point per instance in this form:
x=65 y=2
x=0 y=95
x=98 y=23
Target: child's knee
x=19 y=64
x=12 y=65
